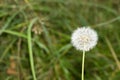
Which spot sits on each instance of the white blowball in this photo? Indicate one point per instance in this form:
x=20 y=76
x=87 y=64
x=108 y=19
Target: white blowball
x=84 y=38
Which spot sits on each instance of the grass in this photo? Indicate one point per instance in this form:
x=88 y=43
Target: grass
x=41 y=49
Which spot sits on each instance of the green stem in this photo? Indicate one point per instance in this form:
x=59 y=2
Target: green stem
x=83 y=62
x=30 y=49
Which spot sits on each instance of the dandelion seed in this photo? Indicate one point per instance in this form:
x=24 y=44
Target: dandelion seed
x=84 y=38
x=37 y=30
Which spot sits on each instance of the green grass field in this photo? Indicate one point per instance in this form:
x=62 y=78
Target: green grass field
x=35 y=39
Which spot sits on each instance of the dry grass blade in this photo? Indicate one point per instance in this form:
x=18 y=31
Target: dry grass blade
x=113 y=53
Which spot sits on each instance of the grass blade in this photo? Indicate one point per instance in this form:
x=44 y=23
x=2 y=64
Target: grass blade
x=30 y=48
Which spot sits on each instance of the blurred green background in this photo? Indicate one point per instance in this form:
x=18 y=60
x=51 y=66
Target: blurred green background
x=41 y=30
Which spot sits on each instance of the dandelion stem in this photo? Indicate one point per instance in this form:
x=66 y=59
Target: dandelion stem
x=83 y=62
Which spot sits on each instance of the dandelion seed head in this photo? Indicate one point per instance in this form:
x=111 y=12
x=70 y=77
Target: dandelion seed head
x=84 y=38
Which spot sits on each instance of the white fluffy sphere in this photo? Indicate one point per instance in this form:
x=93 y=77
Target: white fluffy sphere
x=84 y=38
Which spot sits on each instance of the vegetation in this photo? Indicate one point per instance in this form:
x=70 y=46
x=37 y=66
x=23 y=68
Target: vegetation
x=35 y=39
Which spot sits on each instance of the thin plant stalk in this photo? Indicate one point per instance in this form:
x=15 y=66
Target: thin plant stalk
x=83 y=62
x=30 y=49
